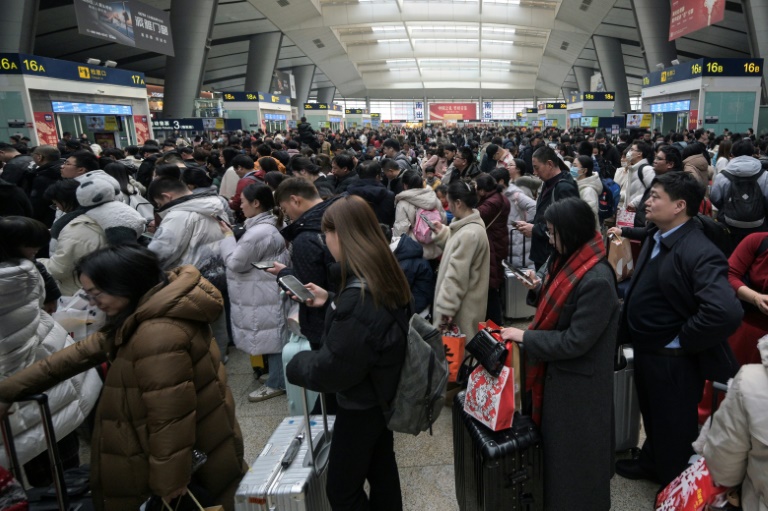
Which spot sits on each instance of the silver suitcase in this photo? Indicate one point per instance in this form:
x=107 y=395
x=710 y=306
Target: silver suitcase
x=625 y=403
x=291 y=472
x=515 y=293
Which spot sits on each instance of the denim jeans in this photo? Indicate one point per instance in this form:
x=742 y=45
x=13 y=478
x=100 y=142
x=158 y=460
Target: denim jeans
x=276 y=378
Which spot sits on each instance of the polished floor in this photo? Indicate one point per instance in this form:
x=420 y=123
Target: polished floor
x=426 y=463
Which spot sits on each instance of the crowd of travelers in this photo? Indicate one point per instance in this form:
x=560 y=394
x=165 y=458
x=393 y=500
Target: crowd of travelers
x=164 y=240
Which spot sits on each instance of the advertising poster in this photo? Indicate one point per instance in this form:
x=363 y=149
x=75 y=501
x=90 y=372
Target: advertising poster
x=141 y=125
x=46 y=128
x=452 y=111
x=281 y=84
x=639 y=120
x=691 y=15
x=127 y=22
x=693 y=120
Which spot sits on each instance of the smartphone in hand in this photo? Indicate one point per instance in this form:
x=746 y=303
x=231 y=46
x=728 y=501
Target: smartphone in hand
x=427 y=221
x=264 y=265
x=294 y=285
x=222 y=220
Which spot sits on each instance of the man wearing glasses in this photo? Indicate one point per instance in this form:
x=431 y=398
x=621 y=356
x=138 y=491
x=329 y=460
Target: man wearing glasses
x=464 y=167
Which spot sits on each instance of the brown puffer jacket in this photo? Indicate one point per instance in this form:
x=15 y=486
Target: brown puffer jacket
x=165 y=394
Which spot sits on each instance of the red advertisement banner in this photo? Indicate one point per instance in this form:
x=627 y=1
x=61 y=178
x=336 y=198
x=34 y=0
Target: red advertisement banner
x=46 y=128
x=141 y=125
x=453 y=111
x=691 y=15
x=693 y=120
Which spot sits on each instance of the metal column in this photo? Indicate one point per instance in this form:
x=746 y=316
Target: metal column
x=610 y=58
x=192 y=25
x=303 y=76
x=756 y=14
x=326 y=94
x=263 y=52
x=652 y=20
x=17 y=26
x=583 y=77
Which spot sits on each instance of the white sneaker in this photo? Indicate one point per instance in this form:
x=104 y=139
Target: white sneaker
x=264 y=393
x=263 y=378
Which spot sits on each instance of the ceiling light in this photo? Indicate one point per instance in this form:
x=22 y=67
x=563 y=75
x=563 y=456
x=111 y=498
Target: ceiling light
x=93 y=62
x=381 y=41
x=497 y=41
x=388 y=28
x=500 y=30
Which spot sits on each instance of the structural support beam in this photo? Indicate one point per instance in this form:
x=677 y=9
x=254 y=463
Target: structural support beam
x=610 y=58
x=302 y=76
x=17 y=26
x=263 y=52
x=583 y=77
x=652 y=21
x=756 y=12
x=326 y=94
x=192 y=26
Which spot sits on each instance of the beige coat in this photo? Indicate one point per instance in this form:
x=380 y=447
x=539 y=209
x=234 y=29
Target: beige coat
x=736 y=447
x=462 y=280
x=165 y=393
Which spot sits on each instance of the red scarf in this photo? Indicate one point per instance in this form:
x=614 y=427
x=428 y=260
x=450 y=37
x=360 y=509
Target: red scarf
x=555 y=292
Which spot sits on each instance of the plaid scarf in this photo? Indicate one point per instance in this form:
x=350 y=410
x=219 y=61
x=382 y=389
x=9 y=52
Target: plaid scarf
x=555 y=291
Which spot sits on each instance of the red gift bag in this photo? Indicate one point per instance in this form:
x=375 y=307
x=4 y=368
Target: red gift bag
x=489 y=400
x=690 y=491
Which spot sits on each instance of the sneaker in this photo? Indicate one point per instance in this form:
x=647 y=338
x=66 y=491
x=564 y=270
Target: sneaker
x=263 y=378
x=263 y=393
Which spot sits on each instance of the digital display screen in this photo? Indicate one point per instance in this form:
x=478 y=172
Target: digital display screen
x=672 y=106
x=63 y=107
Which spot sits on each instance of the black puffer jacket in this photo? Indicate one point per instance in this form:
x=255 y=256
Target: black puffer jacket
x=15 y=171
x=421 y=277
x=306 y=133
x=13 y=200
x=312 y=262
x=376 y=194
x=44 y=176
x=362 y=343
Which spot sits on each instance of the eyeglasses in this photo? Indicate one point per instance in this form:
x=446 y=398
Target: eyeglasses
x=91 y=298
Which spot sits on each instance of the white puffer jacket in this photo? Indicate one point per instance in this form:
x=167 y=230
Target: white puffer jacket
x=27 y=334
x=522 y=209
x=590 y=189
x=407 y=203
x=736 y=447
x=258 y=312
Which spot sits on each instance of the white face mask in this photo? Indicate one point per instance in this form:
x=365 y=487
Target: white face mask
x=630 y=154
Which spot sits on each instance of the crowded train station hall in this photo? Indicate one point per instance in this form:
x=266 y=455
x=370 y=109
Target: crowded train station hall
x=385 y=255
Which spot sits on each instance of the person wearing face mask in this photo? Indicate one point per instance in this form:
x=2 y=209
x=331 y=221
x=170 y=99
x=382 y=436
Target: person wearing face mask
x=590 y=186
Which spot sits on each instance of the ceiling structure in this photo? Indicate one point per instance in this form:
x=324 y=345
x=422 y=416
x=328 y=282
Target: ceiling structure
x=495 y=49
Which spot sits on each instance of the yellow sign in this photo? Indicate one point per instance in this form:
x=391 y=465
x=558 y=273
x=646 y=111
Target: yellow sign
x=84 y=72
x=110 y=123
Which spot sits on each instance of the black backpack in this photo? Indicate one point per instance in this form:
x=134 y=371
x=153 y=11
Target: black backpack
x=744 y=205
x=716 y=232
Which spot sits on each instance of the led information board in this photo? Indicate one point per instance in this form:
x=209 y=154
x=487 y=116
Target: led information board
x=672 y=106
x=256 y=97
x=63 y=107
x=705 y=67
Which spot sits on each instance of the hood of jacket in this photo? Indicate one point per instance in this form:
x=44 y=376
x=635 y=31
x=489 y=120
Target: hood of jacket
x=204 y=204
x=698 y=161
x=424 y=198
x=407 y=248
x=593 y=182
x=20 y=285
x=206 y=190
x=762 y=345
x=369 y=189
x=743 y=166
x=187 y=296
x=51 y=169
x=309 y=221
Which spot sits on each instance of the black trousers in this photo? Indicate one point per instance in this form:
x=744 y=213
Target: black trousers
x=668 y=390
x=362 y=449
x=493 y=309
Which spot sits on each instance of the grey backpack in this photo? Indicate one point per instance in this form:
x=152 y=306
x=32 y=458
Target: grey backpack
x=420 y=394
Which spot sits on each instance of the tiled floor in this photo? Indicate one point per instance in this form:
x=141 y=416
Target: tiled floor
x=426 y=463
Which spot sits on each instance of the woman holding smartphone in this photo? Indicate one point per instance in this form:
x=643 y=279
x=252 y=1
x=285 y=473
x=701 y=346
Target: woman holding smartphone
x=574 y=334
x=258 y=312
x=362 y=353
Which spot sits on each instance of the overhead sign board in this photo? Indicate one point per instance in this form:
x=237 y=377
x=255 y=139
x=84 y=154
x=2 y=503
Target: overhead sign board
x=531 y=110
x=705 y=67
x=23 y=64
x=322 y=106
x=197 y=124
x=688 y=16
x=672 y=106
x=256 y=97
x=128 y=22
x=452 y=111
x=356 y=111
x=553 y=106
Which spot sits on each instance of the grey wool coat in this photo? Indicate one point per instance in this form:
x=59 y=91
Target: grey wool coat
x=577 y=415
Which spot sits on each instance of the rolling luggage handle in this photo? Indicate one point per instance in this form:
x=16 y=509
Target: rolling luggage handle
x=308 y=425
x=62 y=498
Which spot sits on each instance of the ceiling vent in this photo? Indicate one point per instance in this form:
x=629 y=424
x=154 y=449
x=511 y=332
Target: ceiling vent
x=283 y=3
x=585 y=4
x=565 y=45
x=318 y=43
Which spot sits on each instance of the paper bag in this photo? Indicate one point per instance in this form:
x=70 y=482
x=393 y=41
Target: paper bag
x=620 y=257
x=625 y=218
x=489 y=400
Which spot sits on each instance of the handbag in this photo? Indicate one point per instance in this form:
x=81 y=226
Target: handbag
x=488 y=351
x=693 y=490
x=491 y=400
x=454 y=342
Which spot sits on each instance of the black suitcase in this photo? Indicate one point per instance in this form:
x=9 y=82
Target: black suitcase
x=497 y=470
x=61 y=497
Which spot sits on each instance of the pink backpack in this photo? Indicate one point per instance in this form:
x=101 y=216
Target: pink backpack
x=421 y=230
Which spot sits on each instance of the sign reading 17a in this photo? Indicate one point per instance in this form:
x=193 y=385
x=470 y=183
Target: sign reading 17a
x=137 y=79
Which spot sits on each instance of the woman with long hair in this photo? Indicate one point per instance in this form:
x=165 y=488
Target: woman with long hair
x=257 y=310
x=362 y=353
x=461 y=292
x=166 y=391
x=572 y=343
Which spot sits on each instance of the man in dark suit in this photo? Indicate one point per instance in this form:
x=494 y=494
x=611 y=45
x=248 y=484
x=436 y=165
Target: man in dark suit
x=678 y=314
